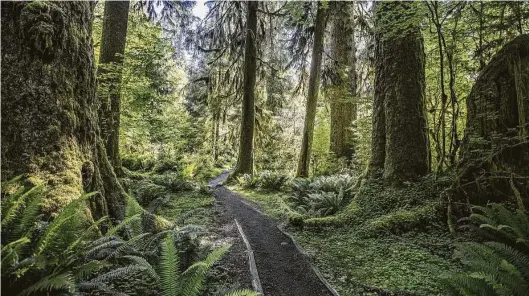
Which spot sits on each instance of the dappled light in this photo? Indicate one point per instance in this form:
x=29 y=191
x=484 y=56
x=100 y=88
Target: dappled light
x=278 y=148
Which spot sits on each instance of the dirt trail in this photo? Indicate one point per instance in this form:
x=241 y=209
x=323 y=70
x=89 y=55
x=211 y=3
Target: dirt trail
x=283 y=271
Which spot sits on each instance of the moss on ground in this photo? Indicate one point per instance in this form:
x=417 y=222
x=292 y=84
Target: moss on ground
x=186 y=202
x=389 y=238
x=395 y=263
x=271 y=203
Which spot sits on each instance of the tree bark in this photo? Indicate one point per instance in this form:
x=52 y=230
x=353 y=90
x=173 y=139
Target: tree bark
x=113 y=40
x=495 y=148
x=343 y=83
x=245 y=158
x=312 y=98
x=49 y=112
x=400 y=85
x=378 y=132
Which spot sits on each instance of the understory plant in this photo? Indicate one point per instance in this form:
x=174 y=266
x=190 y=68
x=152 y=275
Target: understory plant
x=68 y=254
x=499 y=266
x=264 y=180
x=321 y=196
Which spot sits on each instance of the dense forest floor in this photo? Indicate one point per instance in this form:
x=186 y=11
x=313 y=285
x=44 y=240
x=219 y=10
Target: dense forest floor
x=400 y=251
x=168 y=195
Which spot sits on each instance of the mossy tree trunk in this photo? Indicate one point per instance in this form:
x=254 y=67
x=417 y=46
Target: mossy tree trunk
x=113 y=40
x=494 y=158
x=49 y=113
x=245 y=158
x=342 y=90
x=313 y=91
x=399 y=121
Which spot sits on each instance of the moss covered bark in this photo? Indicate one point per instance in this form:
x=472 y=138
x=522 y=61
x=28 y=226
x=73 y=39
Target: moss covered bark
x=399 y=123
x=49 y=115
x=342 y=90
x=245 y=159
x=494 y=158
x=313 y=91
x=113 y=40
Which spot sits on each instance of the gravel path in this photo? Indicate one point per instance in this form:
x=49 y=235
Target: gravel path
x=282 y=269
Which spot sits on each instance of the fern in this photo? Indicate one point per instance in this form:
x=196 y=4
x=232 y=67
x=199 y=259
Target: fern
x=17 y=203
x=51 y=283
x=169 y=272
x=244 y=292
x=193 y=277
x=123 y=224
x=496 y=267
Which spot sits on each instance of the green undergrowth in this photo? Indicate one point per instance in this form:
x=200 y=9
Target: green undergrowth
x=390 y=238
x=192 y=207
x=168 y=194
x=272 y=203
x=411 y=263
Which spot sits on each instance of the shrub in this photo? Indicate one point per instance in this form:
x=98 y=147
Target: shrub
x=145 y=192
x=497 y=267
x=321 y=196
x=269 y=180
x=136 y=162
x=171 y=181
x=165 y=165
x=247 y=181
x=334 y=183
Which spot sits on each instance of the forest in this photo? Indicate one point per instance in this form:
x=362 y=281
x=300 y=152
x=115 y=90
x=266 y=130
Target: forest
x=278 y=148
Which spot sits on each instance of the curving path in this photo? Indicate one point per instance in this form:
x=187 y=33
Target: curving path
x=282 y=269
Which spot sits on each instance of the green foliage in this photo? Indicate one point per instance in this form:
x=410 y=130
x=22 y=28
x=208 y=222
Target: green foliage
x=321 y=196
x=411 y=264
x=47 y=254
x=498 y=267
x=264 y=180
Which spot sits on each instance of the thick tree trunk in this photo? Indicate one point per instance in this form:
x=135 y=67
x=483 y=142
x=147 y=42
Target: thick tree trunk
x=494 y=154
x=378 y=133
x=113 y=41
x=343 y=84
x=245 y=159
x=49 y=116
x=314 y=88
x=401 y=85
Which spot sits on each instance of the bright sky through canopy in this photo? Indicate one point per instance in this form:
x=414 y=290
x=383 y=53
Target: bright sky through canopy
x=200 y=9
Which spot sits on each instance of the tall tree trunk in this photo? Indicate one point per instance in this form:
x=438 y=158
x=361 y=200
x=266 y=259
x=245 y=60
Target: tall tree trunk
x=343 y=84
x=401 y=85
x=113 y=39
x=49 y=112
x=378 y=132
x=494 y=154
x=312 y=98
x=245 y=159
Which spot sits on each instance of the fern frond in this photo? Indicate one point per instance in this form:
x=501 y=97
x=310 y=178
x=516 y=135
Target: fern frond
x=112 y=244
x=16 y=205
x=245 y=292
x=83 y=271
x=518 y=259
x=169 y=273
x=123 y=224
x=131 y=245
x=143 y=262
x=51 y=283
x=87 y=232
x=10 y=252
x=193 y=277
x=118 y=273
x=51 y=232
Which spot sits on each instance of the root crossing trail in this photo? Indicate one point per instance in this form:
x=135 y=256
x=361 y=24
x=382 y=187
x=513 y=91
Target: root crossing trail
x=282 y=269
